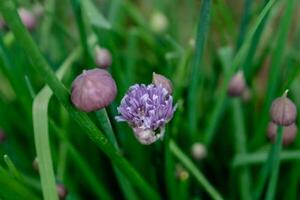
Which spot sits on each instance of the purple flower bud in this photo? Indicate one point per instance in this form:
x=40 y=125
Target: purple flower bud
x=146 y=109
x=27 y=18
x=237 y=85
x=198 y=151
x=160 y=80
x=93 y=90
x=2 y=136
x=103 y=58
x=289 y=133
x=61 y=191
x=283 y=111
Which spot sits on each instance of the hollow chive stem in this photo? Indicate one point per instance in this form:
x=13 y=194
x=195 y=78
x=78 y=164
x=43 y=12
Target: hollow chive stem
x=276 y=165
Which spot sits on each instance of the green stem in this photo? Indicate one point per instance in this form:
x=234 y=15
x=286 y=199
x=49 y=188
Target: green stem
x=44 y=70
x=193 y=169
x=240 y=146
x=95 y=184
x=106 y=125
x=196 y=72
x=261 y=157
x=276 y=165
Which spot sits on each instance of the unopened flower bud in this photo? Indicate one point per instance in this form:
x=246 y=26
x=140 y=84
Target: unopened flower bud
x=159 y=22
x=27 y=18
x=93 y=90
x=61 y=191
x=237 y=85
x=283 y=111
x=2 y=136
x=160 y=80
x=35 y=164
x=289 y=133
x=198 y=151
x=103 y=58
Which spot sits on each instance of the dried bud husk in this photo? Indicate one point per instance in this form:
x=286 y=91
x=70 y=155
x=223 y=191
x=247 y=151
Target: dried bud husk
x=289 y=133
x=237 y=85
x=28 y=19
x=283 y=111
x=198 y=151
x=61 y=191
x=93 y=90
x=160 y=80
x=2 y=136
x=159 y=22
x=103 y=58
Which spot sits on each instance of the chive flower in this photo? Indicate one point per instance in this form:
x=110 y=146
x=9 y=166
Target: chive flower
x=147 y=109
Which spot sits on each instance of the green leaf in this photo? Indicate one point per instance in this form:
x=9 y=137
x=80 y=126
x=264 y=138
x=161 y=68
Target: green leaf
x=95 y=17
x=41 y=133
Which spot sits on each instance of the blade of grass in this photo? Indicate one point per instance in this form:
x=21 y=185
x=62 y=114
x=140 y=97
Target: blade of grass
x=238 y=59
x=247 y=65
x=261 y=157
x=41 y=135
x=244 y=23
x=87 y=173
x=188 y=164
x=240 y=148
x=275 y=71
x=13 y=190
x=43 y=69
x=276 y=165
x=106 y=125
x=82 y=29
x=95 y=17
x=267 y=168
x=196 y=69
x=12 y=168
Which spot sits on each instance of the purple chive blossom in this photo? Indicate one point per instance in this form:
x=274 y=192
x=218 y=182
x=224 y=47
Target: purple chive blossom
x=146 y=109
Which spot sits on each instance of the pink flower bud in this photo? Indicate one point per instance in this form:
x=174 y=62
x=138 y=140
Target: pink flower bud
x=27 y=18
x=61 y=191
x=160 y=80
x=237 y=85
x=93 y=90
x=103 y=58
x=283 y=111
x=289 y=133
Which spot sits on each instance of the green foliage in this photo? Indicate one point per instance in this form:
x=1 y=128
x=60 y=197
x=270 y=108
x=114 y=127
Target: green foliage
x=200 y=48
